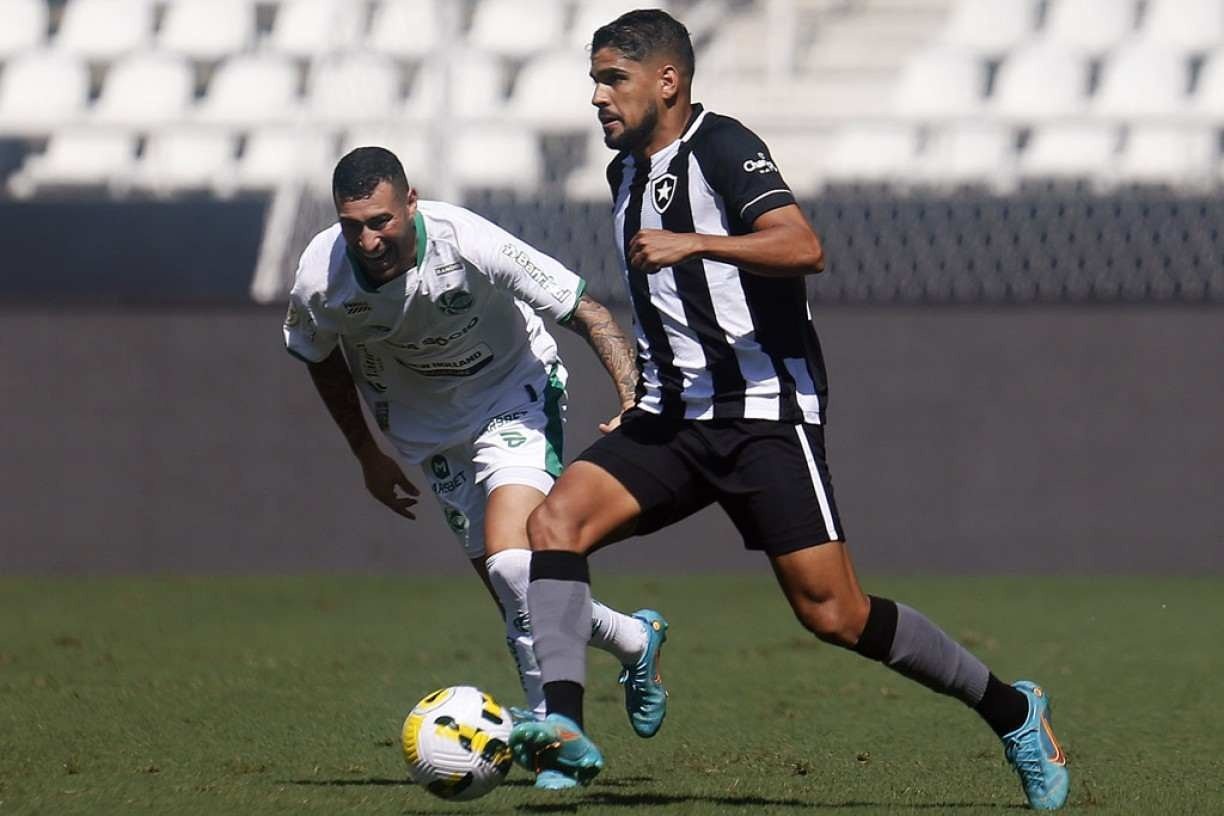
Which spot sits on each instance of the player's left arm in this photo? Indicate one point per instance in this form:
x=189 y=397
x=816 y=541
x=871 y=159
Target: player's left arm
x=595 y=324
x=782 y=244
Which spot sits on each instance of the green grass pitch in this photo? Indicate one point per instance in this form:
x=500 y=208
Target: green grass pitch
x=285 y=695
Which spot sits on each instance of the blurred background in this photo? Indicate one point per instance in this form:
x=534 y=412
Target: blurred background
x=1020 y=202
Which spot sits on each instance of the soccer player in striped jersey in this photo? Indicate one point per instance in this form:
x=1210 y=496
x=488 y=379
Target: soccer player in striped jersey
x=730 y=408
x=433 y=315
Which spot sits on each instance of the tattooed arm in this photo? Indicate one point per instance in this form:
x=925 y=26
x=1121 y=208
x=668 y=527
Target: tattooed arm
x=334 y=382
x=615 y=350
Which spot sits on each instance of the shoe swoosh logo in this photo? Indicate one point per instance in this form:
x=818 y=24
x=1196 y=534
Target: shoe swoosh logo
x=1059 y=757
x=565 y=735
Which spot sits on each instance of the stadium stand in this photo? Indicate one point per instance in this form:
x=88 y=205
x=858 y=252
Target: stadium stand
x=25 y=26
x=104 y=30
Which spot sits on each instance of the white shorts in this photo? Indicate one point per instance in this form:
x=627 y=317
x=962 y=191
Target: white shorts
x=519 y=446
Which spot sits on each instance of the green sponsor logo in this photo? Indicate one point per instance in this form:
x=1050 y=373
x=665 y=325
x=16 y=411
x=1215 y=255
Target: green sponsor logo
x=512 y=438
x=440 y=467
x=457 y=521
x=455 y=301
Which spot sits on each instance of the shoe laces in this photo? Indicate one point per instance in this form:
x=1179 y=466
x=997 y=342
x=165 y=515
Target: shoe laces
x=1026 y=755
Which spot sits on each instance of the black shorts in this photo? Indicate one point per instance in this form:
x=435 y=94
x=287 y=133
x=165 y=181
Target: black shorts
x=770 y=477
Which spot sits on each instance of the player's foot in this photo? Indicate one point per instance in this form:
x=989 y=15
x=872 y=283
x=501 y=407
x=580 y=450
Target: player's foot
x=1035 y=753
x=548 y=779
x=645 y=696
x=556 y=743
x=519 y=714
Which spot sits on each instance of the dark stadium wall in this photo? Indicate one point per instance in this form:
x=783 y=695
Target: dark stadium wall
x=962 y=440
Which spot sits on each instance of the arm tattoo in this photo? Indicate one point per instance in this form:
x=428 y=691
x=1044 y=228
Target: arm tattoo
x=334 y=382
x=597 y=326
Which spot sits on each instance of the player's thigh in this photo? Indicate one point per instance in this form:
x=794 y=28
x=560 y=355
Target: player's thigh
x=506 y=512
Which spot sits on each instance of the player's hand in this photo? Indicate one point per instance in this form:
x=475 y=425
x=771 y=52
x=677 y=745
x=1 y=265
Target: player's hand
x=387 y=482
x=651 y=249
x=614 y=423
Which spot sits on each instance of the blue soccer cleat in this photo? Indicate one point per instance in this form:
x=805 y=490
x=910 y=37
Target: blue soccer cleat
x=645 y=696
x=556 y=744
x=1035 y=753
x=549 y=779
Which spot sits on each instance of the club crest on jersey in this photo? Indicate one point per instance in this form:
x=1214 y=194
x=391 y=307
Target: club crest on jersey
x=455 y=301
x=662 y=192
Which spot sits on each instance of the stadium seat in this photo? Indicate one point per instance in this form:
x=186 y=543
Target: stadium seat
x=1173 y=155
x=25 y=25
x=105 y=29
x=1209 y=98
x=76 y=158
x=554 y=90
x=279 y=155
x=186 y=158
x=476 y=86
x=975 y=153
x=41 y=89
x=405 y=28
x=354 y=87
x=208 y=29
x=989 y=26
x=410 y=145
x=1189 y=25
x=798 y=152
x=1093 y=26
x=146 y=89
x=871 y=154
x=944 y=83
x=252 y=90
x=1069 y=152
x=304 y=28
x=496 y=157
x=589 y=180
x=517 y=28
x=1143 y=81
x=1041 y=81
x=591 y=14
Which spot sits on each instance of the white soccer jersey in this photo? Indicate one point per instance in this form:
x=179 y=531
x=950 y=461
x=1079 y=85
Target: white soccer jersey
x=447 y=345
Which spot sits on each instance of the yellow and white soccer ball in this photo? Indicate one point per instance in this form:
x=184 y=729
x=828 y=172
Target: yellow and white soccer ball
x=457 y=743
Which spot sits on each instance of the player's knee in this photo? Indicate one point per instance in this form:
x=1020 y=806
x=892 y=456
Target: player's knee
x=548 y=528
x=832 y=620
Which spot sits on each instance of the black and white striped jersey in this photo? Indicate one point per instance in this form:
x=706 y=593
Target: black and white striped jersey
x=715 y=341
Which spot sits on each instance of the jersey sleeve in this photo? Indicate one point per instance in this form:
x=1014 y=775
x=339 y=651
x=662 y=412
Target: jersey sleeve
x=739 y=167
x=514 y=266
x=308 y=335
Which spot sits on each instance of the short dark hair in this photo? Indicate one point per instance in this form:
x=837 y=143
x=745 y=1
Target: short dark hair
x=363 y=169
x=645 y=32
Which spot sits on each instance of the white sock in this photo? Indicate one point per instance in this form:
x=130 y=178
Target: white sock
x=618 y=634
x=509 y=571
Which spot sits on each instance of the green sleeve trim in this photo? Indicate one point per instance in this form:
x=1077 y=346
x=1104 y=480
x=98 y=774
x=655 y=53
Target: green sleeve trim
x=582 y=286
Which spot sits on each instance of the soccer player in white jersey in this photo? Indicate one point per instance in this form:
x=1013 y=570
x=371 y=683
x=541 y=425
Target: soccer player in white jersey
x=731 y=408
x=433 y=315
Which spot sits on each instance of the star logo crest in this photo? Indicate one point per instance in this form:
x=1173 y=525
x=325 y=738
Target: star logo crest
x=662 y=191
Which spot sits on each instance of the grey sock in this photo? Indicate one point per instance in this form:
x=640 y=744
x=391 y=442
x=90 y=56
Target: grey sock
x=561 y=625
x=923 y=652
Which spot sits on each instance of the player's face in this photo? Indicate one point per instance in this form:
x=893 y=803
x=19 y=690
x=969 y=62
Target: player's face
x=378 y=228
x=627 y=95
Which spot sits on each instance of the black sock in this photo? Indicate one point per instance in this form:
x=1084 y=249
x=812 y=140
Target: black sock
x=564 y=697
x=878 y=633
x=1002 y=707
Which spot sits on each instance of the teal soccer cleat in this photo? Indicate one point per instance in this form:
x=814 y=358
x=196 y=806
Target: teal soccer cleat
x=645 y=696
x=1035 y=753
x=556 y=744
x=549 y=779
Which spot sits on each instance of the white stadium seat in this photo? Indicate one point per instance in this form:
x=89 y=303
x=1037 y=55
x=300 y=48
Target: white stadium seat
x=1209 y=98
x=589 y=181
x=517 y=28
x=1169 y=154
x=1090 y=25
x=409 y=144
x=476 y=86
x=77 y=157
x=799 y=154
x=305 y=28
x=989 y=26
x=25 y=25
x=496 y=157
x=554 y=90
x=871 y=153
x=974 y=153
x=1070 y=151
x=354 y=87
x=208 y=29
x=1143 y=81
x=105 y=29
x=591 y=14
x=280 y=155
x=185 y=158
x=146 y=89
x=252 y=90
x=40 y=89
x=405 y=28
x=944 y=83
x=1190 y=25
x=1041 y=81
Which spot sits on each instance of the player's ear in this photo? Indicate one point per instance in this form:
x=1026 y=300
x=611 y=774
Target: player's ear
x=411 y=201
x=669 y=82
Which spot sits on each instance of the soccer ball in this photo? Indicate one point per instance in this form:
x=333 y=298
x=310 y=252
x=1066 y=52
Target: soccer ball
x=456 y=743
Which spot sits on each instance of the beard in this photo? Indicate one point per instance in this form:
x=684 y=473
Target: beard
x=636 y=138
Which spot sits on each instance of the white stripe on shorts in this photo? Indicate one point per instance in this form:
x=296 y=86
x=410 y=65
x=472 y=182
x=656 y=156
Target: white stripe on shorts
x=818 y=484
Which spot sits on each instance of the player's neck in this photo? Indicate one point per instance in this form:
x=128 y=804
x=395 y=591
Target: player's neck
x=672 y=123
